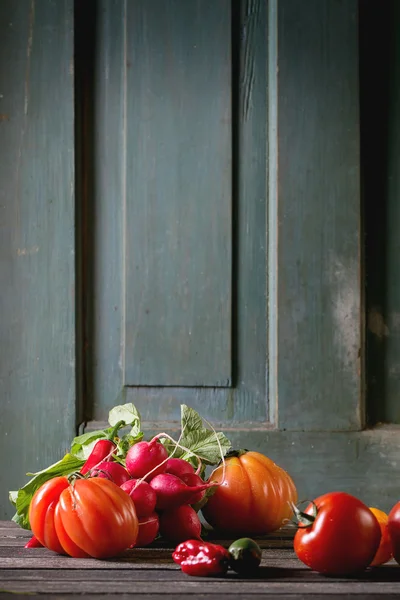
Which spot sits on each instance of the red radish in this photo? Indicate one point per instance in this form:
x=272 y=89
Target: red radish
x=172 y=491
x=112 y=471
x=193 y=480
x=178 y=467
x=180 y=524
x=143 y=496
x=148 y=530
x=146 y=459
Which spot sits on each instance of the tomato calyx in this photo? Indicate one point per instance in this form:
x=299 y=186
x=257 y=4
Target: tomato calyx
x=302 y=520
x=76 y=475
x=236 y=453
x=233 y=454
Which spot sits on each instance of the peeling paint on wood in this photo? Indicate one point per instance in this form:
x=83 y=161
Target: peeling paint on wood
x=27 y=251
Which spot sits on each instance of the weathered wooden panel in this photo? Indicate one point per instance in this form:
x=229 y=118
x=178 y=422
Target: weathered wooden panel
x=380 y=150
x=317 y=220
x=37 y=349
x=246 y=400
x=178 y=193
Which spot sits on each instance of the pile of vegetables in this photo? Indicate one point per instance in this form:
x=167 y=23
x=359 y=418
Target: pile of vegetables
x=114 y=490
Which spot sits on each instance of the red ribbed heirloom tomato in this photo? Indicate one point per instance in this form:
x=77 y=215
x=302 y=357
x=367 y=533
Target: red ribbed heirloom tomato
x=254 y=498
x=88 y=517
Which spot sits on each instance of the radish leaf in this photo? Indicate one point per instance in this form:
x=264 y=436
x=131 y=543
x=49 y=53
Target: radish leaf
x=22 y=499
x=125 y=412
x=198 y=440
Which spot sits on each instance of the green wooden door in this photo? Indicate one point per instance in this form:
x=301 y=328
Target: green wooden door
x=226 y=238
x=219 y=233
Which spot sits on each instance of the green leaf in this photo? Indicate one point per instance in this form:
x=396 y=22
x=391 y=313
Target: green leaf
x=136 y=433
x=20 y=520
x=199 y=440
x=125 y=412
x=82 y=445
x=126 y=442
x=22 y=499
x=203 y=443
x=13 y=497
x=190 y=419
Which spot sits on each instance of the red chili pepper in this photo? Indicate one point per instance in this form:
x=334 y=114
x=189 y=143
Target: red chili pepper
x=33 y=543
x=102 y=450
x=201 y=559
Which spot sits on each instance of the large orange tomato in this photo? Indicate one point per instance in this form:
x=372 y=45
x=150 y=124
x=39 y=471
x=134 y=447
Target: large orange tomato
x=254 y=497
x=89 y=517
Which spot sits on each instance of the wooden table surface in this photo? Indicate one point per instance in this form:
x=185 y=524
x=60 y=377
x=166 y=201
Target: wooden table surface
x=150 y=573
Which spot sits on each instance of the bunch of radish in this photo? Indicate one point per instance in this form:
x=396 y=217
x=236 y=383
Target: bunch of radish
x=163 y=490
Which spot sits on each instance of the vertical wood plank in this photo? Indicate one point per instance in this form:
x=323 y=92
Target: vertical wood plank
x=37 y=325
x=105 y=126
x=178 y=194
x=319 y=333
x=250 y=217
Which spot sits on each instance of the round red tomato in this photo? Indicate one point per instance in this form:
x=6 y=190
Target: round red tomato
x=253 y=498
x=343 y=537
x=89 y=517
x=394 y=530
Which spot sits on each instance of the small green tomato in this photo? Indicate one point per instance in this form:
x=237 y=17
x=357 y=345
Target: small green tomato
x=245 y=556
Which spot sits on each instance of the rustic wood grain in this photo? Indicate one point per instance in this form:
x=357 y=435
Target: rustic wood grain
x=319 y=335
x=203 y=586
x=227 y=596
x=37 y=238
x=151 y=573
